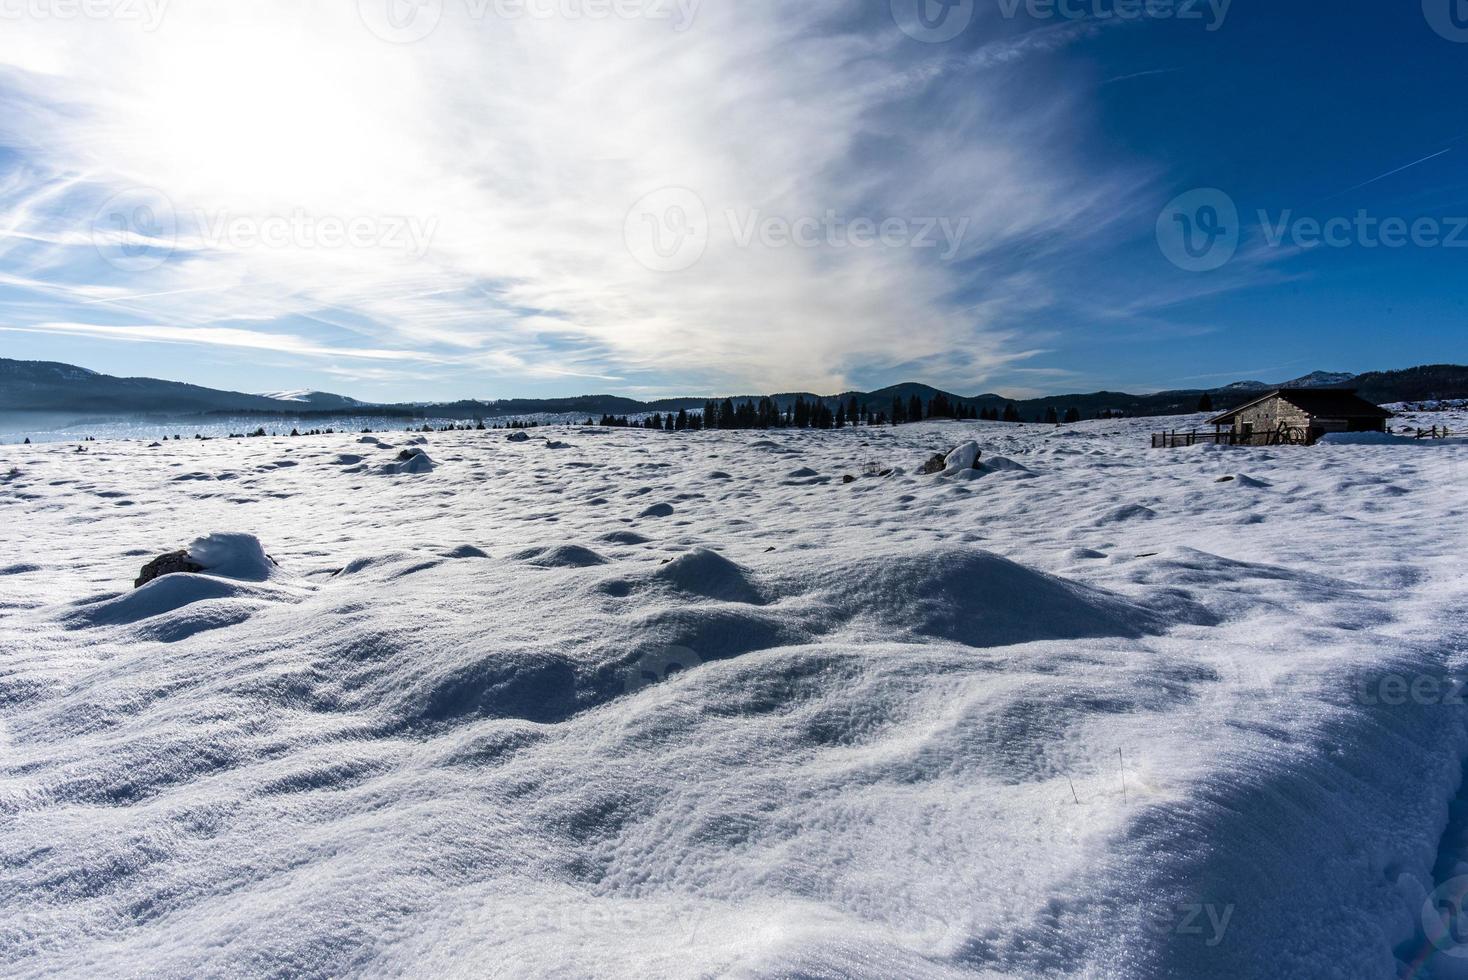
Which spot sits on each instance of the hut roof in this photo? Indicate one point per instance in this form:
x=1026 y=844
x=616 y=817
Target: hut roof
x=1331 y=403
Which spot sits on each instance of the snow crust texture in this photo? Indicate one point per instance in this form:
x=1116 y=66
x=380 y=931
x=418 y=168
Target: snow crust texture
x=652 y=705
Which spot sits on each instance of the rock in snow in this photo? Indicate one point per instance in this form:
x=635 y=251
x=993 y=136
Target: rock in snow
x=173 y=563
x=965 y=457
x=236 y=556
x=936 y=463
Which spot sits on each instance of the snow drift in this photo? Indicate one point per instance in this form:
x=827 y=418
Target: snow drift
x=1093 y=714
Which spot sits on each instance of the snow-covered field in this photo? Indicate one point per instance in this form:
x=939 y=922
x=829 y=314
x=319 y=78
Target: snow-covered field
x=653 y=705
x=53 y=427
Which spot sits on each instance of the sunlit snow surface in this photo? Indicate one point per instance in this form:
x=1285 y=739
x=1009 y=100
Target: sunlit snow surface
x=658 y=705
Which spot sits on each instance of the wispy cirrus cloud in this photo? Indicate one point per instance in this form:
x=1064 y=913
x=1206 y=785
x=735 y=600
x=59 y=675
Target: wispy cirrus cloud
x=523 y=144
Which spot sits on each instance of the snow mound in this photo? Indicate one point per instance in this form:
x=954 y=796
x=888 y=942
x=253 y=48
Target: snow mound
x=1126 y=514
x=624 y=538
x=236 y=570
x=160 y=596
x=233 y=555
x=978 y=599
x=707 y=573
x=1003 y=464
x=562 y=556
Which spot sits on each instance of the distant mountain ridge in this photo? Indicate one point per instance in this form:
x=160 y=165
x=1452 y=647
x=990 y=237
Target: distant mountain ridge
x=1320 y=379
x=45 y=386
x=48 y=386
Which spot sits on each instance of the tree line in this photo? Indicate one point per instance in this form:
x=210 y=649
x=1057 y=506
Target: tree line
x=805 y=413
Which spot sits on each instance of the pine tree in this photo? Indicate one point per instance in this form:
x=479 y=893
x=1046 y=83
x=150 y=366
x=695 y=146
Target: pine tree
x=915 y=409
x=1051 y=416
x=1205 y=404
x=1011 y=414
x=1072 y=415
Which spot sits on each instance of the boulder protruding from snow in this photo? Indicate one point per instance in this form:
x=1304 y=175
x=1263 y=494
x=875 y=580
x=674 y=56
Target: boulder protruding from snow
x=935 y=464
x=411 y=461
x=173 y=563
x=520 y=436
x=965 y=457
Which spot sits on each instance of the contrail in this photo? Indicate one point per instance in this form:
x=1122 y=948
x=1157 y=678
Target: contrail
x=1393 y=173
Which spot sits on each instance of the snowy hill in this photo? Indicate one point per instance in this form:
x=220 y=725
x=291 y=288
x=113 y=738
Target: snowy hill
x=314 y=400
x=44 y=386
x=1320 y=379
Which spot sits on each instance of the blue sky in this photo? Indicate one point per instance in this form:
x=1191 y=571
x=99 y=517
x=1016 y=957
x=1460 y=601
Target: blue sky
x=475 y=198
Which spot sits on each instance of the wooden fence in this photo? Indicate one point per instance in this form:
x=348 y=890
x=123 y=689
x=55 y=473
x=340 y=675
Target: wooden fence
x=1281 y=437
x=1228 y=437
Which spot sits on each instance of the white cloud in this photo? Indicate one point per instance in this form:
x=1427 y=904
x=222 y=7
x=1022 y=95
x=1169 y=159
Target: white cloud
x=525 y=142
